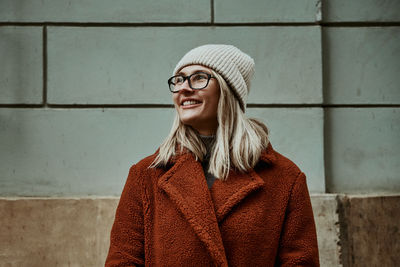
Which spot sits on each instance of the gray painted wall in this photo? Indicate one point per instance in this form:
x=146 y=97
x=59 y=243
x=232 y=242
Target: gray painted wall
x=83 y=90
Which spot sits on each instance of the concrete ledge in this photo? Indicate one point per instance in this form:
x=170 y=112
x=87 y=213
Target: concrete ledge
x=370 y=230
x=325 y=207
x=55 y=231
x=360 y=230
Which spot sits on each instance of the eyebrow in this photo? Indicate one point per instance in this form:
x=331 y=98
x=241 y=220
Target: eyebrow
x=195 y=71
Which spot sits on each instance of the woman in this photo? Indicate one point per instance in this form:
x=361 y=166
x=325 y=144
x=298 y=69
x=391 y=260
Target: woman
x=215 y=193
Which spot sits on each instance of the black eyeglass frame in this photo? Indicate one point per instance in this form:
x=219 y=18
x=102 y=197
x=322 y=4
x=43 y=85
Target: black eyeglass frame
x=209 y=76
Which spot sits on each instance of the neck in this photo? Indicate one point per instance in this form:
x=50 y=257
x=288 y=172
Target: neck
x=208 y=129
x=208 y=141
x=206 y=132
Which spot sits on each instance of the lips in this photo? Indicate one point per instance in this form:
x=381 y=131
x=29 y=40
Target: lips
x=189 y=102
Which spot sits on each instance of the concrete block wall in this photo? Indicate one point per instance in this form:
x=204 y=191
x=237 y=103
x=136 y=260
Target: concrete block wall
x=83 y=95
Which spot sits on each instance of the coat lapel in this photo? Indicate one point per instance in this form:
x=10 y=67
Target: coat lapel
x=204 y=209
x=186 y=186
x=228 y=194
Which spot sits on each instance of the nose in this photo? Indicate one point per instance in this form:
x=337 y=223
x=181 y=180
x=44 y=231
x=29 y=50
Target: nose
x=185 y=86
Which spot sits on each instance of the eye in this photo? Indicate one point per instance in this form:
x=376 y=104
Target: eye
x=177 y=80
x=199 y=77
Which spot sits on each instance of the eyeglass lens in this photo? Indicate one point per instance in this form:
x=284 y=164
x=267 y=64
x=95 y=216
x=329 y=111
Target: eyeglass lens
x=196 y=81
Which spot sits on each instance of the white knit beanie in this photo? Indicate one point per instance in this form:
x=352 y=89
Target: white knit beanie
x=233 y=65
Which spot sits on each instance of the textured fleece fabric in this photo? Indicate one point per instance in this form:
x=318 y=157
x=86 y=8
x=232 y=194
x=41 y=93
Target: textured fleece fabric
x=169 y=217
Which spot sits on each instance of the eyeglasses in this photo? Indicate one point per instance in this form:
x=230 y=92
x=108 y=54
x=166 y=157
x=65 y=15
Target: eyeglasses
x=196 y=81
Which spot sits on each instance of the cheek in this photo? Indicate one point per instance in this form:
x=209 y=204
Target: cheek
x=215 y=107
x=175 y=99
x=214 y=103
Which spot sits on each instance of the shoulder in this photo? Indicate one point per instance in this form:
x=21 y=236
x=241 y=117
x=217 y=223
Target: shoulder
x=286 y=165
x=279 y=168
x=142 y=172
x=276 y=160
x=145 y=163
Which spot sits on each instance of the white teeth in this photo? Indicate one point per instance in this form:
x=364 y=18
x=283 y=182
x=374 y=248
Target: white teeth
x=190 y=102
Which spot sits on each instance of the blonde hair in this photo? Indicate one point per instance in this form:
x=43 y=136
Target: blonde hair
x=239 y=140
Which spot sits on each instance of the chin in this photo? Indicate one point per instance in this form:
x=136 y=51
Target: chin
x=189 y=122
x=188 y=117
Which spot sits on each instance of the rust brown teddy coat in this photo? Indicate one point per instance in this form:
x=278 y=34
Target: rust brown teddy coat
x=169 y=217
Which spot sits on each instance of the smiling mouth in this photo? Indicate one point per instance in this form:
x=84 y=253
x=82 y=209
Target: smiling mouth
x=190 y=102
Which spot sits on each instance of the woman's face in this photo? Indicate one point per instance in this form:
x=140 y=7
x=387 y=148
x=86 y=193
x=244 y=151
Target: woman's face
x=198 y=108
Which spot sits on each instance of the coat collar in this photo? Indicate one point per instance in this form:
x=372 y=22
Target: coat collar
x=227 y=194
x=268 y=155
x=186 y=186
x=204 y=209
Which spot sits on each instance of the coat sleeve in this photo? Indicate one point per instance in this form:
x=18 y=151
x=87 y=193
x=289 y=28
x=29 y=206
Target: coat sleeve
x=298 y=244
x=127 y=233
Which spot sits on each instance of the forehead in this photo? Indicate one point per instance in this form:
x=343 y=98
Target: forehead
x=193 y=68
